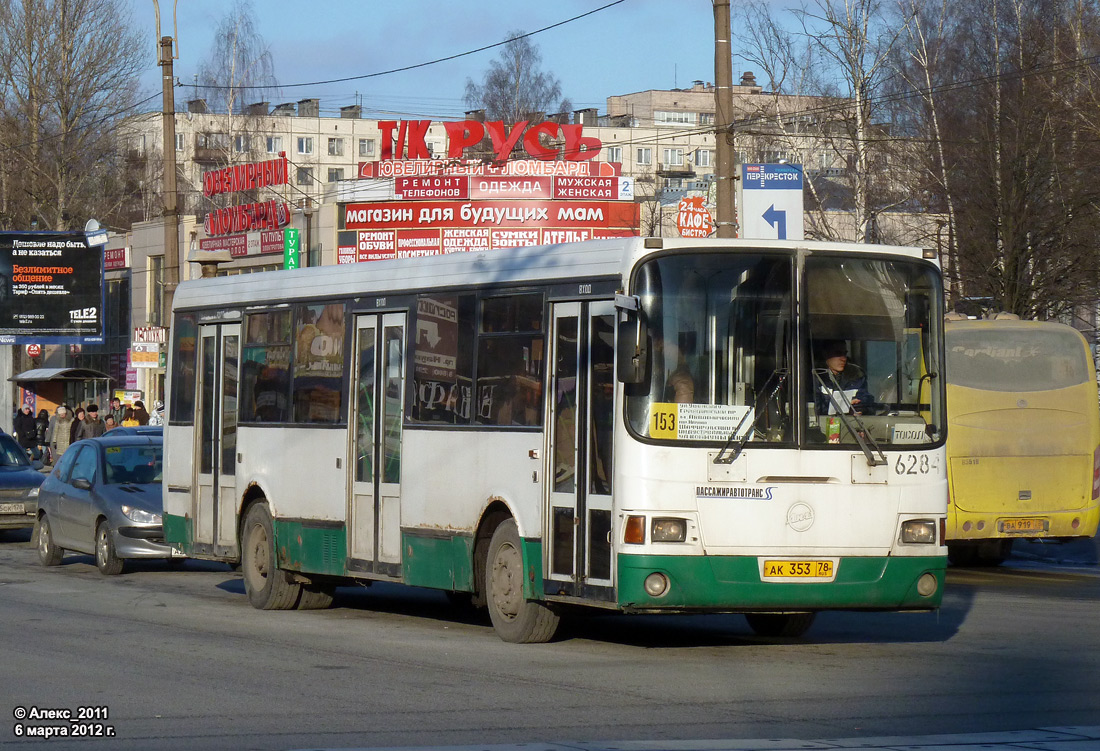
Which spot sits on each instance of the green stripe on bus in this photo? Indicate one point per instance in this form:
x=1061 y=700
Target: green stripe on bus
x=313 y=550
x=733 y=582
x=177 y=531
x=438 y=562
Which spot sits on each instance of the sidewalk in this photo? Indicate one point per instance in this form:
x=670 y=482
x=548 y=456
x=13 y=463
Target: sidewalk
x=1043 y=739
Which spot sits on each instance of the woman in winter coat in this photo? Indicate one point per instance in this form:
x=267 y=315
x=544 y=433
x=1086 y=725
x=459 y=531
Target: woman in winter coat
x=62 y=431
x=140 y=413
x=25 y=428
x=78 y=418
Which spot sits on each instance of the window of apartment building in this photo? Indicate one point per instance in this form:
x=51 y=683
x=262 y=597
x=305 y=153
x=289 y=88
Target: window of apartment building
x=212 y=140
x=336 y=147
x=241 y=144
x=704 y=157
x=305 y=176
x=673 y=157
x=179 y=141
x=274 y=144
x=614 y=153
x=644 y=156
x=706 y=118
x=366 y=147
x=155 y=291
x=674 y=183
x=335 y=174
x=305 y=145
x=663 y=117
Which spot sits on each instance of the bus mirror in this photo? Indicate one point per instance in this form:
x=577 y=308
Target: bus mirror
x=632 y=350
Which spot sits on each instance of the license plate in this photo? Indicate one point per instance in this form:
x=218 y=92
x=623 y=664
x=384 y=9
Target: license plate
x=798 y=569
x=12 y=508
x=1023 y=525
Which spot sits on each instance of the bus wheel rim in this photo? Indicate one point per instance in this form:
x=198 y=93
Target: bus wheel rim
x=507 y=591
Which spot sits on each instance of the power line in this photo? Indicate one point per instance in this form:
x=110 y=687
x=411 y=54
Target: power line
x=424 y=64
x=82 y=126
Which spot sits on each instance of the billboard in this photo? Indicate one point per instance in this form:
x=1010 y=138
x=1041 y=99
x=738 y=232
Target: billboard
x=51 y=288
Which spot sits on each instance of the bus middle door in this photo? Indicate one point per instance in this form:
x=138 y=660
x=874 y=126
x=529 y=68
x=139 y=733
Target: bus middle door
x=215 y=502
x=377 y=410
x=577 y=539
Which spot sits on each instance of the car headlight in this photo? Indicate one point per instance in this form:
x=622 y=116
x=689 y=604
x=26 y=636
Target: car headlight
x=919 y=531
x=33 y=492
x=140 y=515
x=668 y=530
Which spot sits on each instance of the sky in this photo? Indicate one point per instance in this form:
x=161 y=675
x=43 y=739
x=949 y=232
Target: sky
x=632 y=46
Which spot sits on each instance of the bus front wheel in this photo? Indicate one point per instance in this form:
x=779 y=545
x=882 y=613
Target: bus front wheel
x=268 y=588
x=787 y=625
x=514 y=618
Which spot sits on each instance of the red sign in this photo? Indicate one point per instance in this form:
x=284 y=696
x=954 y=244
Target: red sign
x=271 y=242
x=34 y=350
x=422 y=214
x=503 y=186
x=525 y=167
x=460 y=239
x=237 y=245
x=253 y=216
x=468 y=133
x=115 y=258
x=245 y=177
x=587 y=188
x=431 y=188
x=378 y=245
x=692 y=218
x=516 y=238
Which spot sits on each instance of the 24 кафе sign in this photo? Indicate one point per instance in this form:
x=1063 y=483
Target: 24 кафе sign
x=51 y=288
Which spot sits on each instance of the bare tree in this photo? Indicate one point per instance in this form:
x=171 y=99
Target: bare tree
x=68 y=75
x=239 y=67
x=515 y=87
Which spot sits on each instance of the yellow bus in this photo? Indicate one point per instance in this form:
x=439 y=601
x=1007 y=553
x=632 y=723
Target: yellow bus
x=1024 y=436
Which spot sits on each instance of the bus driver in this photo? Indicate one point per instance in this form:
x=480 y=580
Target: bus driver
x=841 y=375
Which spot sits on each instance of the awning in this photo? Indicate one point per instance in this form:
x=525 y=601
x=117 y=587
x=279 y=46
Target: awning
x=60 y=374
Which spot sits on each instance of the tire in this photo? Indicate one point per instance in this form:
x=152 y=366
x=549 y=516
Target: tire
x=106 y=559
x=316 y=596
x=268 y=587
x=48 y=552
x=786 y=625
x=514 y=618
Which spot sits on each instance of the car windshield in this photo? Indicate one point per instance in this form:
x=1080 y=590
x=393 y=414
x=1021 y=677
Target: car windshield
x=133 y=464
x=11 y=455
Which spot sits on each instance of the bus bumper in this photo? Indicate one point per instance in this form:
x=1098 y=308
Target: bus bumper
x=733 y=584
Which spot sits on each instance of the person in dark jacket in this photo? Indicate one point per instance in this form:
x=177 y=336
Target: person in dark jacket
x=848 y=376
x=26 y=429
x=42 y=435
x=140 y=413
x=78 y=420
x=91 y=426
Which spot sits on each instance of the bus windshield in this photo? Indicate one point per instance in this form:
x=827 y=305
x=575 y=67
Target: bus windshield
x=726 y=356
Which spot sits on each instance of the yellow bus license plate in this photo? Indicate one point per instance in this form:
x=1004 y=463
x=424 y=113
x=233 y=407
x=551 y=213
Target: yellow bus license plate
x=1023 y=525
x=798 y=569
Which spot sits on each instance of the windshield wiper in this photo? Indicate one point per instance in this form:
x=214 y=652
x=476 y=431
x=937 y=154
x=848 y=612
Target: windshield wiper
x=862 y=435
x=779 y=376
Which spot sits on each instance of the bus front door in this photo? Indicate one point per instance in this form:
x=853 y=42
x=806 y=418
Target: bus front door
x=577 y=538
x=215 y=501
x=377 y=411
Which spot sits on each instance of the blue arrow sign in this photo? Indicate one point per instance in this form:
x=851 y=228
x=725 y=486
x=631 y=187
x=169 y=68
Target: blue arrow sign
x=772 y=217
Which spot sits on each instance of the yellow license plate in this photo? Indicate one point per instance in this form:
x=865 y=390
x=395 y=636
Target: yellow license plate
x=1023 y=525
x=798 y=569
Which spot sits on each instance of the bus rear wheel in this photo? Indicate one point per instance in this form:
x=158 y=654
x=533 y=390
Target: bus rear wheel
x=515 y=619
x=268 y=588
x=787 y=625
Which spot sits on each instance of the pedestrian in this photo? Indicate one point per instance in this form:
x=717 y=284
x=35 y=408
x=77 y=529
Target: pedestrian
x=78 y=420
x=92 y=427
x=128 y=418
x=156 y=417
x=62 y=432
x=26 y=430
x=140 y=413
x=115 y=410
x=42 y=435
x=109 y=423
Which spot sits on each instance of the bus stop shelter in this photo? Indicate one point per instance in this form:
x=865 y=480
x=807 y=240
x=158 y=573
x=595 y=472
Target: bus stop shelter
x=47 y=388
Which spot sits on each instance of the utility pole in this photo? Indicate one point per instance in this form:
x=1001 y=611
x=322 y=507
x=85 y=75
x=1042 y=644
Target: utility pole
x=725 y=167
x=171 y=206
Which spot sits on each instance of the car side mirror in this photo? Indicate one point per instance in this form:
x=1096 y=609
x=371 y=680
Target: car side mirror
x=632 y=348
x=83 y=483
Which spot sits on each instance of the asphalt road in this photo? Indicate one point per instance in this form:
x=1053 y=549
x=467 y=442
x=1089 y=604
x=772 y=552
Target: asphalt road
x=180 y=660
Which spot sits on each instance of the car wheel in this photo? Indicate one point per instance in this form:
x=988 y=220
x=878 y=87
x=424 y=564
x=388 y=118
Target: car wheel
x=106 y=560
x=785 y=625
x=267 y=586
x=515 y=619
x=48 y=551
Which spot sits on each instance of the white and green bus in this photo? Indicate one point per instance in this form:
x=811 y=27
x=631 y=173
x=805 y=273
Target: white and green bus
x=629 y=424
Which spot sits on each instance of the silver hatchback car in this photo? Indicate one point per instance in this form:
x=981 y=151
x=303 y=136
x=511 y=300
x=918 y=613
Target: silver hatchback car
x=104 y=498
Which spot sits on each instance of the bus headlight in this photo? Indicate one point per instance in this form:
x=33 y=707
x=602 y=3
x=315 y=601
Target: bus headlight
x=920 y=531
x=668 y=530
x=656 y=584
